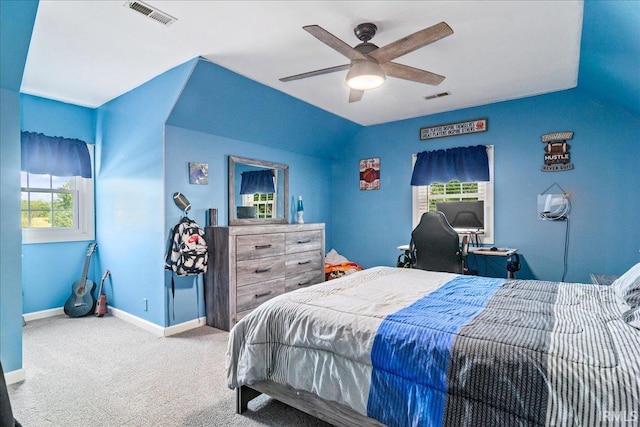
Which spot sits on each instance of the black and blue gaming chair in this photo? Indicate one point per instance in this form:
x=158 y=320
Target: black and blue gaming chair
x=435 y=245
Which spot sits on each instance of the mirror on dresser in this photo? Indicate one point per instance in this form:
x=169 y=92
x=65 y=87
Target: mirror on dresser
x=258 y=192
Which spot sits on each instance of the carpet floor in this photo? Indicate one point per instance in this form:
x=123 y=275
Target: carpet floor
x=94 y=371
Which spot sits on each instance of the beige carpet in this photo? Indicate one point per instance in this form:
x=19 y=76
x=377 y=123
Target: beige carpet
x=105 y=372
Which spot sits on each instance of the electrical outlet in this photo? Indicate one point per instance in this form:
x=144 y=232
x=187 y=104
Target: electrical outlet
x=145 y=304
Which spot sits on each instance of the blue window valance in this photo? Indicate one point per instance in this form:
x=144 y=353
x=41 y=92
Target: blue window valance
x=56 y=156
x=257 y=182
x=465 y=164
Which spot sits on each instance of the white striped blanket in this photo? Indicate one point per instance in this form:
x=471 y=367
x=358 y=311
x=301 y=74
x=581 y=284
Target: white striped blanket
x=415 y=348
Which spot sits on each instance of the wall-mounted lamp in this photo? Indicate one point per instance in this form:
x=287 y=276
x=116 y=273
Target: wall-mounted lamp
x=181 y=202
x=365 y=74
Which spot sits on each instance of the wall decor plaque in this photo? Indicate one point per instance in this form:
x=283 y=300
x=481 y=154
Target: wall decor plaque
x=556 y=153
x=198 y=173
x=370 y=174
x=453 y=129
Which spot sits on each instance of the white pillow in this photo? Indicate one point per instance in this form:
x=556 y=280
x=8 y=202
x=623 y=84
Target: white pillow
x=627 y=286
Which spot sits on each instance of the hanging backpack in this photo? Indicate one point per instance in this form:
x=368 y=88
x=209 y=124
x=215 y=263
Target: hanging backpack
x=187 y=253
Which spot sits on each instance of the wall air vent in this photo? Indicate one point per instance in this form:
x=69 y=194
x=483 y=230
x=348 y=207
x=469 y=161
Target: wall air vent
x=151 y=12
x=437 y=95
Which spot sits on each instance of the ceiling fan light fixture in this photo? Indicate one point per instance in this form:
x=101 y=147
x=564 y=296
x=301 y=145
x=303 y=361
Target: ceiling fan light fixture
x=365 y=75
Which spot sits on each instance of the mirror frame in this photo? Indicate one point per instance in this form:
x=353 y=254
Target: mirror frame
x=232 y=193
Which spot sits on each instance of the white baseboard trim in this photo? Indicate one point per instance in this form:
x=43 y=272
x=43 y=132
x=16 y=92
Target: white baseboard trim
x=155 y=329
x=185 y=326
x=15 y=376
x=129 y=318
x=42 y=314
x=137 y=321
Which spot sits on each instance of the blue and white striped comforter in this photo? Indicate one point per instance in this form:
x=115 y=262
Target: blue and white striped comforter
x=416 y=348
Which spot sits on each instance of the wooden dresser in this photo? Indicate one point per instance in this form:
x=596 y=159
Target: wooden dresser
x=250 y=264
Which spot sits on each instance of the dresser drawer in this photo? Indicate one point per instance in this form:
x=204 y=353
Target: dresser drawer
x=249 y=265
x=250 y=296
x=256 y=246
x=302 y=280
x=303 y=241
x=259 y=270
x=304 y=261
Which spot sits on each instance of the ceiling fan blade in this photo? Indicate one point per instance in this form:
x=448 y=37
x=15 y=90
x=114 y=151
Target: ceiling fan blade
x=355 y=95
x=316 y=73
x=412 y=42
x=333 y=42
x=405 y=72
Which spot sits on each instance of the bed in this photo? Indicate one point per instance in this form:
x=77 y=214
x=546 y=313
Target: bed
x=405 y=347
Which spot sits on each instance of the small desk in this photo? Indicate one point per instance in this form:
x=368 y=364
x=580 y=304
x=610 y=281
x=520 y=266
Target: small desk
x=488 y=251
x=503 y=252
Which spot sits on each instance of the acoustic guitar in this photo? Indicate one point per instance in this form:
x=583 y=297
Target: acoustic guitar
x=81 y=301
x=101 y=305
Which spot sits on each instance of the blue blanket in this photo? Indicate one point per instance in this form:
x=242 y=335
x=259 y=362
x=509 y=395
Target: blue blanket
x=411 y=352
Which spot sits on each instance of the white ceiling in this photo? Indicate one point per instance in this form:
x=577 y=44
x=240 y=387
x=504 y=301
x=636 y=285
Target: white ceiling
x=89 y=52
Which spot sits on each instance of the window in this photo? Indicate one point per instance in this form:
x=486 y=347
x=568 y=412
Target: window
x=56 y=209
x=265 y=204
x=425 y=197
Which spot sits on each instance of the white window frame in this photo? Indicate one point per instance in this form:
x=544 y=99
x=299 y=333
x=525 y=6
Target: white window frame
x=420 y=200
x=249 y=200
x=85 y=202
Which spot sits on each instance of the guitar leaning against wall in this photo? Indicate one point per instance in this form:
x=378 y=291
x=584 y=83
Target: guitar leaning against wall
x=101 y=305
x=81 y=302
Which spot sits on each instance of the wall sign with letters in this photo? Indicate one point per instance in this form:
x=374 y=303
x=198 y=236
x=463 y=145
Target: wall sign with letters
x=370 y=174
x=453 y=129
x=556 y=153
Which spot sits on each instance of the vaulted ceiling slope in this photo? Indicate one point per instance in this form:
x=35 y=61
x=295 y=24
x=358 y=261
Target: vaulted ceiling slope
x=87 y=52
x=610 y=52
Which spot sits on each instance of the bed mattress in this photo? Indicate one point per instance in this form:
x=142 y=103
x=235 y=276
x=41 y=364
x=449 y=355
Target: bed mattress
x=415 y=348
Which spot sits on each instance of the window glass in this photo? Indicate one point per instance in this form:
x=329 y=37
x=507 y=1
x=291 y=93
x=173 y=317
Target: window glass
x=425 y=198
x=265 y=204
x=56 y=209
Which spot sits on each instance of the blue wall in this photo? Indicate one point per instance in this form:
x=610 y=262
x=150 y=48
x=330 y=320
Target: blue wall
x=49 y=269
x=220 y=102
x=308 y=176
x=16 y=24
x=604 y=226
x=10 y=233
x=130 y=206
x=221 y=113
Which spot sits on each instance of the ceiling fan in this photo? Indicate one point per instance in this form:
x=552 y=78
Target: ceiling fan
x=370 y=64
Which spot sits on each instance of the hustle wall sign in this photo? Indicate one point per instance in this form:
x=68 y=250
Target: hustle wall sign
x=556 y=153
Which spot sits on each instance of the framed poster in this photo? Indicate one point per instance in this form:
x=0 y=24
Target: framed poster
x=370 y=174
x=198 y=173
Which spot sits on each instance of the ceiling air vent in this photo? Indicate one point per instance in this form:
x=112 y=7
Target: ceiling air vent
x=151 y=12
x=437 y=95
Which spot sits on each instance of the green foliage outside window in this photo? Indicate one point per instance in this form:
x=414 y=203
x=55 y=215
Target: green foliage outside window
x=453 y=191
x=48 y=209
x=264 y=204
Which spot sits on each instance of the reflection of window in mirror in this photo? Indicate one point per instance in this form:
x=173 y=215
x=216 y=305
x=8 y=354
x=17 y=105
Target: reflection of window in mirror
x=258 y=192
x=264 y=204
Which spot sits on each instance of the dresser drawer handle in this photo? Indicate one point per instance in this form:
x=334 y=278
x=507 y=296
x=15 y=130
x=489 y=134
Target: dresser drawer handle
x=304 y=262
x=264 y=294
x=304 y=241
x=262 y=270
x=304 y=283
x=263 y=246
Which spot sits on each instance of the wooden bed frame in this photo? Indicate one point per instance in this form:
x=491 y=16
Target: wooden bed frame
x=331 y=412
